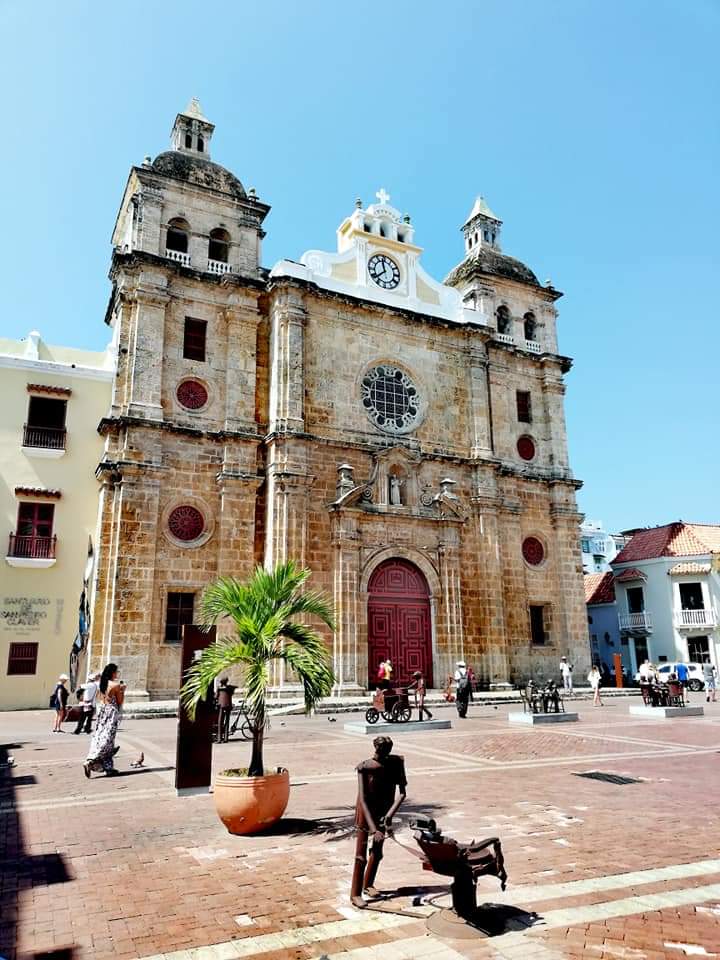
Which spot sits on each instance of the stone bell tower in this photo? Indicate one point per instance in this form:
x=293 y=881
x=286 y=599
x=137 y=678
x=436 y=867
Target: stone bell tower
x=179 y=472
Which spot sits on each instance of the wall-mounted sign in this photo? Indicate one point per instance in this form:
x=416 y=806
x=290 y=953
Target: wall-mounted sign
x=24 y=615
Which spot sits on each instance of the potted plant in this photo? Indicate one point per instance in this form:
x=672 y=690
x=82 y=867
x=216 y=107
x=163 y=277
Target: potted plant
x=265 y=612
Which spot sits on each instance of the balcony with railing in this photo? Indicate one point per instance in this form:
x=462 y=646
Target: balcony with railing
x=533 y=346
x=504 y=337
x=218 y=266
x=640 y=622
x=692 y=619
x=47 y=438
x=178 y=257
x=31 y=550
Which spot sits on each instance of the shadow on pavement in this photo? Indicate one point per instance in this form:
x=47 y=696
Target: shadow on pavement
x=22 y=871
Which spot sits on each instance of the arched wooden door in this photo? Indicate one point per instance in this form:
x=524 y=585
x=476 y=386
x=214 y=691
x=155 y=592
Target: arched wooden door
x=399 y=624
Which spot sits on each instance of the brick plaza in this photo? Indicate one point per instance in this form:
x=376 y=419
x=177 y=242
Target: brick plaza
x=122 y=868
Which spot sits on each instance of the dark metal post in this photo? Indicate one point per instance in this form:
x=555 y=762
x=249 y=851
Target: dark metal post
x=193 y=762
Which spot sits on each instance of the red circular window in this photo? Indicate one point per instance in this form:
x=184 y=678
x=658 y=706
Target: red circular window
x=186 y=523
x=526 y=448
x=533 y=551
x=192 y=395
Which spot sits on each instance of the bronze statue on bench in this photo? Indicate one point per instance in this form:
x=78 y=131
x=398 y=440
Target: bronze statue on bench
x=545 y=700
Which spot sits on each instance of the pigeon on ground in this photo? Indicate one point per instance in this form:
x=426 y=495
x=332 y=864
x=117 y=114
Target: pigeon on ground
x=332 y=720
x=139 y=762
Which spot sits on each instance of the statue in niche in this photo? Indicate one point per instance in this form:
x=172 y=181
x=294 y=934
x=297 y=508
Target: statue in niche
x=395 y=490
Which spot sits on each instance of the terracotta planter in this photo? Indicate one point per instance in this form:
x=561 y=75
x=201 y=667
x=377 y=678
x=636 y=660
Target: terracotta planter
x=250 y=804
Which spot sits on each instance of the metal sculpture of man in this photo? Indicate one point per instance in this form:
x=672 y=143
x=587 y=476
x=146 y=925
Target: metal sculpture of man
x=377 y=804
x=551 y=697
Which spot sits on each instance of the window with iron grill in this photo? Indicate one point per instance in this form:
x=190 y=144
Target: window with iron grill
x=390 y=399
x=194 y=341
x=22 y=659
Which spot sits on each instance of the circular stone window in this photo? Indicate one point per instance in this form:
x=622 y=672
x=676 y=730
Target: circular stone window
x=192 y=395
x=533 y=551
x=526 y=448
x=391 y=399
x=186 y=523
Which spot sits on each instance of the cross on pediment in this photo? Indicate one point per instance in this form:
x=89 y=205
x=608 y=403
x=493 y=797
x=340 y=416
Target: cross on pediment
x=382 y=195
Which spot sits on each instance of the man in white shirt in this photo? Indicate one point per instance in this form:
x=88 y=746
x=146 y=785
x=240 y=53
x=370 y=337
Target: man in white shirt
x=90 y=693
x=566 y=674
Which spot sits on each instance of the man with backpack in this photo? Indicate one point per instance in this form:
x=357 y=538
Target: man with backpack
x=58 y=702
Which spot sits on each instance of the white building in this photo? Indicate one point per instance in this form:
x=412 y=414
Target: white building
x=598 y=547
x=667 y=587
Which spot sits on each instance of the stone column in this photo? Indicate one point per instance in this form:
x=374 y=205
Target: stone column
x=553 y=396
x=502 y=409
x=103 y=588
x=241 y=322
x=286 y=526
x=485 y=581
x=128 y=636
x=572 y=615
x=481 y=441
x=349 y=661
x=449 y=624
x=147 y=347
x=287 y=377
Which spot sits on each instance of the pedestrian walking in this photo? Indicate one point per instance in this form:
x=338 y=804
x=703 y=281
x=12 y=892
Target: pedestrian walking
x=418 y=685
x=87 y=707
x=102 y=746
x=566 y=674
x=681 y=672
x=225 y=704
x=710 y=678
x=462 y=689
x=595 y=680
x=58 y=701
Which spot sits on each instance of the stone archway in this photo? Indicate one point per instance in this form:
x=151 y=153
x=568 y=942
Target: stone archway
x=399 y=621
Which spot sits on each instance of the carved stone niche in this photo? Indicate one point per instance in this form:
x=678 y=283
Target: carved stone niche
x=396 y=478
x=393 y=483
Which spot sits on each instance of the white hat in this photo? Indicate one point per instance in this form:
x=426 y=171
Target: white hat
x=63 y=676
x=460 y=663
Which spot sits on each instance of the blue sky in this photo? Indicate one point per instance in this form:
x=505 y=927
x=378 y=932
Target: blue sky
x=591 y=128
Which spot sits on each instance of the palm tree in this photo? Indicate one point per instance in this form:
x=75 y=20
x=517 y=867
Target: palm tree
x=264 y=611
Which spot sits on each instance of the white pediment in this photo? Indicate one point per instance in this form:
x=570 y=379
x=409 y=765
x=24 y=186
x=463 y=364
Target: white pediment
x=377 y=260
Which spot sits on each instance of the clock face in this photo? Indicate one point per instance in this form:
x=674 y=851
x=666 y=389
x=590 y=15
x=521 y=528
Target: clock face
x=384 y=271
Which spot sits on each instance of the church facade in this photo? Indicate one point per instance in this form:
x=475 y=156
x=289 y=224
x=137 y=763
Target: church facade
x=402 y=437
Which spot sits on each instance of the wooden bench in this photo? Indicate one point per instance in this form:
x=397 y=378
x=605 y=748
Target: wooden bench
x=464 y=862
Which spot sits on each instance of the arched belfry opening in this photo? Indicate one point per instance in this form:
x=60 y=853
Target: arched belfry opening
x=399 y=621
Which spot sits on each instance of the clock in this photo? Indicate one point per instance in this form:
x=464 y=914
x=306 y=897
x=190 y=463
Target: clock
x=384 y=271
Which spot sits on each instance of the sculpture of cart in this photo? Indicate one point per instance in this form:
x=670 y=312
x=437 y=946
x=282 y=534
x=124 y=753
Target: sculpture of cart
x=392 y=705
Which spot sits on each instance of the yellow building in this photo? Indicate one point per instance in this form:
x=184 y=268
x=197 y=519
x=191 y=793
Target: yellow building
x=51 y=402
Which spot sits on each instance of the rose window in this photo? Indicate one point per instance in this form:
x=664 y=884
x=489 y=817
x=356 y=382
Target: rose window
x=533 y=551
x=390 y=399
x=186 y=523
x=192 y=395
x=526 y=448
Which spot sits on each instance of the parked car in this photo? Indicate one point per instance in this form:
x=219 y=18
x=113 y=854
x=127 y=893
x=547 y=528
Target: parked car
x=695 y=674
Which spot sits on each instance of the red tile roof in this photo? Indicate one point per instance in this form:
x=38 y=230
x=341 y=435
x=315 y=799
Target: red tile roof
x=631 y=573
x=677 y=539
x=600 y=587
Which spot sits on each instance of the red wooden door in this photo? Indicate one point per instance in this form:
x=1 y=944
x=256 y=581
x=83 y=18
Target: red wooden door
x=399 y=621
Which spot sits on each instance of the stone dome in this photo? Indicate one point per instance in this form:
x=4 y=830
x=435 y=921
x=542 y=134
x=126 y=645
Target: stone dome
x=486 y=260
x=198 y=171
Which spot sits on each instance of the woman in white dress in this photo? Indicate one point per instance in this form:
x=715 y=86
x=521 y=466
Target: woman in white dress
x=102 y=746
x=594 y=679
